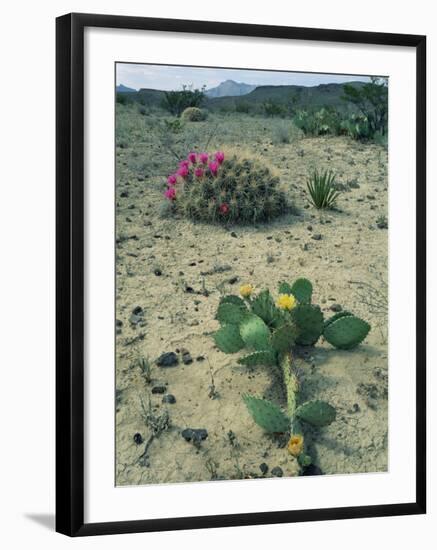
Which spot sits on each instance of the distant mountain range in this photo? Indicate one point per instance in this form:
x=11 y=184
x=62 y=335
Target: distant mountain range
x=230 y=88
x=123 y=88
x=252 y=98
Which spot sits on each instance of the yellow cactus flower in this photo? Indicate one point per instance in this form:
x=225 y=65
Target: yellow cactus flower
x=286 y=301
x=295 y=445
x=246 y=290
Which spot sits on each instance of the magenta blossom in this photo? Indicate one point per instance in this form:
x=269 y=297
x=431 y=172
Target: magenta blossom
x=192 y=157
x=203 y=158
x=172 y=179
x=219 y=157
x=213 y=168
x=183 y=171
x=198 y=172
x=170 y=194
x=185 y=163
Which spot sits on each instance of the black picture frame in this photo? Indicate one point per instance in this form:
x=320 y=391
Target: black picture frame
x=70 y=273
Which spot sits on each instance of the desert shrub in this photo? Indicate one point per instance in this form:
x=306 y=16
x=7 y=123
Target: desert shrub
x=272 y=108
x=194 y=114
x=211 y=188
x=371 y=100
x=285 y=132
x=322 y=189
x=177 y=101
x=242 y=107
x=326 y=120
x=123 y=99
x=175 y=126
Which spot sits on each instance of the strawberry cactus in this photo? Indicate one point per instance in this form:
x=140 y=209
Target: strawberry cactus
x=225 y=188
x=270 y=330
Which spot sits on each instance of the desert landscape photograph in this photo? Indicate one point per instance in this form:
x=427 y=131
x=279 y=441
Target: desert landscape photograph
x=251 y=274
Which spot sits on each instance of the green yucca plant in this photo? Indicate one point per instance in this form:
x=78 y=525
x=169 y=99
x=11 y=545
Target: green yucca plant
x=322 y=189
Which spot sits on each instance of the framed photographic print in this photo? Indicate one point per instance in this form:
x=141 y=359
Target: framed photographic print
x=240 y=274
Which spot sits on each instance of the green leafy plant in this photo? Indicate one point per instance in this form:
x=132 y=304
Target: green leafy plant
x=270 y=330
x=178 y=100
x=322 y=189
x=371 y=99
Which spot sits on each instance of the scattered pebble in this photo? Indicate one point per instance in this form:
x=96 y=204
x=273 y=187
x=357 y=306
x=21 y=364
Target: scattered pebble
x=200 y=358
x=168 y=359
x=169 y=398
x=317 y=237
x=264 y=468
x=194 y=434
x=159 y=389
x=277 y=471
x=138 y=438
x=336 y=308
x=186 y=357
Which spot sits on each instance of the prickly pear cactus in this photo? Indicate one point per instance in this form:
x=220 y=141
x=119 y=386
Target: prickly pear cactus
x=255 y=333
x=266 y=414
x=346 y=332
x=309 y=320
x=316 y=413
x=284 y=337
x=302 y=290
x=229 y=313
x=228 y=339
x=264 y=306
x=338 y=315
x=265 y=357
x=270 y=330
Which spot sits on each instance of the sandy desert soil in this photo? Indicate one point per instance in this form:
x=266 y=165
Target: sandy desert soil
x=176 y=270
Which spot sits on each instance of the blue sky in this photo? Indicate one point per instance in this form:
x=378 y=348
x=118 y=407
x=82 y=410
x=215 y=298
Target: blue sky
x=165 y=77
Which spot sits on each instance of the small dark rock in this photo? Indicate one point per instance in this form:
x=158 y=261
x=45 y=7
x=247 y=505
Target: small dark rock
x=264 y=468
x=336 y=308
x=233 y=280
x=310 y=228
x=311 y=470
x=159 y=389
x=124 y=194
x=138 y=438
x=200 y=358
x=195 y=435
x=169 y=398
x=233 y=234
x=317 y=237
x=277 y=471
x=118 y=323
x=138 y=310
x=186 y=358
x=168 y=359
x=157 y=272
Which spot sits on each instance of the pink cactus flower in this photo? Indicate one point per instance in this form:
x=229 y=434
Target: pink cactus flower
x=172 y=179
x=219 y=157
x=184 y=162
x=170 y=194
x=224 y=208
x=198 y=172
x=192 y=157
x=213 y=168
x=204 y=158
x=183 y=171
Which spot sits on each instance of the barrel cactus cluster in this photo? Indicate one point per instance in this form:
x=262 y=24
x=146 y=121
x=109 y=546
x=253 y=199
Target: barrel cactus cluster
x=225 y=188
x=270 y=329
